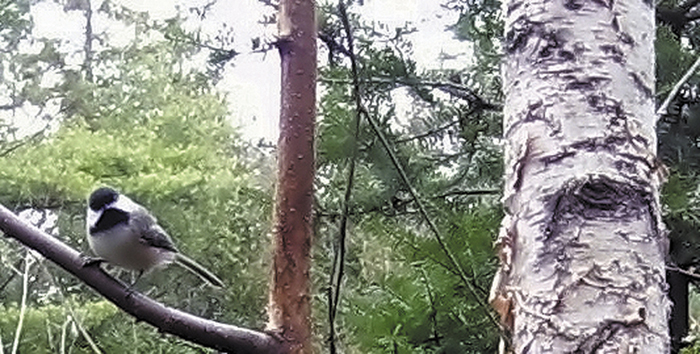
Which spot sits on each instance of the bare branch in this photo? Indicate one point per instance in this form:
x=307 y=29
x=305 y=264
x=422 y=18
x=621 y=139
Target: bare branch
x=671 y=95
x=23 y=142
x=202 y=331
x=227 y=53
x=87 y=47
x=23 y=302
x=430 y=132
x=356 y=82
x=458 y=90
x=693 y=275
x=431 y=224
x=470 y=192
x=433 y=313
x=339 y=259
x=332 y=45
x=11 y=106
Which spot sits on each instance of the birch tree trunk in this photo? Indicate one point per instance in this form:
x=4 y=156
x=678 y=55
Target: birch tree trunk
x=582 y=246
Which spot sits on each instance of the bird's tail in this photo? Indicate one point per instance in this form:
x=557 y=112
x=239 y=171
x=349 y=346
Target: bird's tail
x=198 y=269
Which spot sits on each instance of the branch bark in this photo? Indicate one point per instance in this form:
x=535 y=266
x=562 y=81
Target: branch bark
x=198 y=330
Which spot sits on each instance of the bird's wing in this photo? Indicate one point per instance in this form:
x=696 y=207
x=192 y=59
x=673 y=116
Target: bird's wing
x=152 y=234
x=156 y=237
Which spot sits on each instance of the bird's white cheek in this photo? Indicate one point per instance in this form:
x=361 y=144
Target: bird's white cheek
x=126 y=204
x=92 y=217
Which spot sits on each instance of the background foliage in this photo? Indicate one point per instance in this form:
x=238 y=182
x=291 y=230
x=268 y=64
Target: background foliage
x=160 y=133
x=677 y=131
x=401 y=293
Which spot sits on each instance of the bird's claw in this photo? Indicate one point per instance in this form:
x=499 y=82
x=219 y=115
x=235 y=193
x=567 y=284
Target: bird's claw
x=92 y=261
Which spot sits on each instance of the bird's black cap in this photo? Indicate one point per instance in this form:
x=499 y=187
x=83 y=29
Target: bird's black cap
x=101 y=197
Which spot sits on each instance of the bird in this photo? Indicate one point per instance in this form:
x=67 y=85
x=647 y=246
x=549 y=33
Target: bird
x=124 y=233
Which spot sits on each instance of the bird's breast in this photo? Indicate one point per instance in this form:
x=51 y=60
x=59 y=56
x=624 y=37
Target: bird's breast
x=121 y=246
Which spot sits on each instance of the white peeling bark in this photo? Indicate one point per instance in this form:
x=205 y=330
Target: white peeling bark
x=582 y=245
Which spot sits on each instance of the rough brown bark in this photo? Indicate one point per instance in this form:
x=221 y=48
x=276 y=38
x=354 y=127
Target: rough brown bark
x=290 y=295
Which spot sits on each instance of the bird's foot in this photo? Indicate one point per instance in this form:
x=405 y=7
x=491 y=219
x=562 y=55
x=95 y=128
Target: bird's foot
x=91 y=261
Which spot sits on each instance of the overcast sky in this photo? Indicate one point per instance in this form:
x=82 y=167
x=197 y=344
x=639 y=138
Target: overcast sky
x=252 y=82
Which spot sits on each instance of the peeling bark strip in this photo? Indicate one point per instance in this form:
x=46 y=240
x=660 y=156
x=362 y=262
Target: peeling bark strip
x=582 y=246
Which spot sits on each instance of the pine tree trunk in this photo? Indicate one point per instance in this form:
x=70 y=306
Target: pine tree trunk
x=289 y=309
x=582 y=246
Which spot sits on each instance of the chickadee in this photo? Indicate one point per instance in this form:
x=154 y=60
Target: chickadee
x=124 y=233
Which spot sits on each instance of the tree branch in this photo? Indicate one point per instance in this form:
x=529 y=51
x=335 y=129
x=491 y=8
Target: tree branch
x=671 y=95
x=339 y=258
x=430 y=132
x=23 y=303
x=469 y=192
x=433 y=309
x=460 y=91
x=22 y=142
x=431 y=224
x=332 y=44
x=87 y=47
x=692 y=275
x=202 y=331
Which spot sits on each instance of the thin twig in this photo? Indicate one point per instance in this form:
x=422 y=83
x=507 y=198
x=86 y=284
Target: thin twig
x=72 y=316
x=22 y=142
x=363 y=110
x=23 y=304
x=188 y=40
x=434 y=312
x=64 y=329
x=333 y=45
x=671 y=95
x=9 y=279
x=438 y=237
x=339 y=262
x=404 y=177
x=409 y=81
x=320 y=212
x=428 y=133
x=690 y=274
x=469 y=192
x=84 y=333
